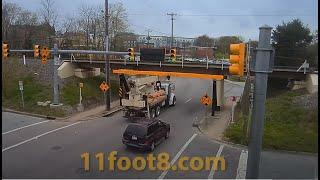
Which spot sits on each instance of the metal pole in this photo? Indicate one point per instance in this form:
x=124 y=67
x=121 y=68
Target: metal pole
x=214 y=97
x=107 y=62
x=171 y=14
x=261 y=72
x=55 y=76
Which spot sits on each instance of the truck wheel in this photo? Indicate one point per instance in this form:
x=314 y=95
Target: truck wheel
x=174 y=101
x=158 y=111
x=152 y=113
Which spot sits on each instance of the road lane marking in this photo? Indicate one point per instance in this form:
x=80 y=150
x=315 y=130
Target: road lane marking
x=13 y=130
x=164 y=173
x=188 y=100
x=242 y=166
x=212 y=168
x=36 y=137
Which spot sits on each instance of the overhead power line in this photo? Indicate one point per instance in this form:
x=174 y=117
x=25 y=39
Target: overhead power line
x=230 y=15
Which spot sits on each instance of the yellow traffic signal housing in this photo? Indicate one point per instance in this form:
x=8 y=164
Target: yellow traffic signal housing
x=5 y=50
x=237 y=59
x=173 y=54
x=44 y=55
x=36 y=51
x=131 y=53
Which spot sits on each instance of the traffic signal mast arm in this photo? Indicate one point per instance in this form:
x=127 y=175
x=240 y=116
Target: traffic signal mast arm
x=76 y=51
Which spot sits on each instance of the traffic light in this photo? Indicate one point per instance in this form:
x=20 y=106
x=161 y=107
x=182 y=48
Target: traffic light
x=173 y=54
x=44 y=55
x=131 y=53
x=237 y=60
x=36 y=51
x=5 y=50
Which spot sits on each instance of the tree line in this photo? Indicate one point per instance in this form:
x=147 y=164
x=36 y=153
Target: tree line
x=293 y=43
x=86 y=25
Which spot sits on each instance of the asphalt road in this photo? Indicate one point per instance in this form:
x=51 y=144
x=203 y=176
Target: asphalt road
x=38 y=148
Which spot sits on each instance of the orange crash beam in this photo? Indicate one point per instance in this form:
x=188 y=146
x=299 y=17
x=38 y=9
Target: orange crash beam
x=164 y=73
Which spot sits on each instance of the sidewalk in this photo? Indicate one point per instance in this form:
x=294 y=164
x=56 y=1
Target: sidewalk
x=85 y=115
x=95 y=112
x=214 y=126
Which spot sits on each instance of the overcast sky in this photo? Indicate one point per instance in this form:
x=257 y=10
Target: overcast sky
x=197 y=17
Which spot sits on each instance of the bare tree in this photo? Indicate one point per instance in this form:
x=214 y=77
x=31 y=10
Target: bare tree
x=9 y=16
x=48 y=12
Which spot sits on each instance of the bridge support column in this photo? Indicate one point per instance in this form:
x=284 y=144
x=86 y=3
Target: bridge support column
x=214 y=98
x=220 y=94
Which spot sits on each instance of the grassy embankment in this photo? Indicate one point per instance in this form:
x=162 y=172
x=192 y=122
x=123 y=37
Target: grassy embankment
x=34 y=91
x=287 y=126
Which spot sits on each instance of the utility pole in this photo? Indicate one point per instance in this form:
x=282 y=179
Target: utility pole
x=107 y=62
x=171 y=14
x=148 y=37
x=261 y=70
x=56 y=89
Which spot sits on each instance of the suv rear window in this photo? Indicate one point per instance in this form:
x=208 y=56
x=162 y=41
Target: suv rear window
x=136 y=130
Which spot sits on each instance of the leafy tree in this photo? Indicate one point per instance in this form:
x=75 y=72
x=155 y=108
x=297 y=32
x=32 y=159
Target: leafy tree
x=290 y=41
x=204 y=41
x=223 y=44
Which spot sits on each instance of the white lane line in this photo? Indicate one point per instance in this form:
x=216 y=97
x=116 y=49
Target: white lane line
x=164 y=173
x=36 y=137
x=217 y=155
x=188 y=100
x=13 y=130
x=242 y=166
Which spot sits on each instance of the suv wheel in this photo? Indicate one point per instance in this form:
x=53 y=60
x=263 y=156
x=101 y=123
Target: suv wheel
x=158 y=111
x=152 y=113
x=167 y=135
x=152 y=146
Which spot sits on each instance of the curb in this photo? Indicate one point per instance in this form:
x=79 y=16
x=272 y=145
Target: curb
x=34 y=115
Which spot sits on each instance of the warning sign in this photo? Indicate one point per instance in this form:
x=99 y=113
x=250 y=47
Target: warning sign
x=104 y=86
x=206 y=100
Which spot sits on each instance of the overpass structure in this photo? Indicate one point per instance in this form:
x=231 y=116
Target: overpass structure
x=183 y=67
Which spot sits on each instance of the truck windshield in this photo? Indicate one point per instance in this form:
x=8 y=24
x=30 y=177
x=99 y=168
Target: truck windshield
x=136 y=130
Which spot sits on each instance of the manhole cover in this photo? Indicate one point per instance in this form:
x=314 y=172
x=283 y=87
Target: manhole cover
x=56 y=147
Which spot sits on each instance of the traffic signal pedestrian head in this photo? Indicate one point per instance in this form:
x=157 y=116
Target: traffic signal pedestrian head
x=173 y=54
x=5 y=50
x=36 y=51
x=237 y=59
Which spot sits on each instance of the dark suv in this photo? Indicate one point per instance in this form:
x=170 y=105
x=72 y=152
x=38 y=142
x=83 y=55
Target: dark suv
x=145 y=133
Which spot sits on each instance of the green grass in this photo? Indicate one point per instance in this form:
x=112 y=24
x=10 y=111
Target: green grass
x=34 y=91
x=90 y=91
x=236 y=79
x=287 y=126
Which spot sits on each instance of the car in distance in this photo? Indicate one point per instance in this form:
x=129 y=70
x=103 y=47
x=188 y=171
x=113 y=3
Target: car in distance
x=145 y=133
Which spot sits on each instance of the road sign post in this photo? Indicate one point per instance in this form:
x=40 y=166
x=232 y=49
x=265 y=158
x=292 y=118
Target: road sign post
x=214 y=97
x=261 y=69
x=80 y=95
x=21 y=91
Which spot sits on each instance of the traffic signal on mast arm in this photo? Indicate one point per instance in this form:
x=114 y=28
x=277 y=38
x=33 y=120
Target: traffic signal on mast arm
x=237 y=60
x=44 y=55
x=5 y=50
x=131 y=53
x=173 y=54
x=36 y=51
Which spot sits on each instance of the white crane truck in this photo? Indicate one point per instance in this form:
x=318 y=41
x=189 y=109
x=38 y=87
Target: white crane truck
x=144 y=96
